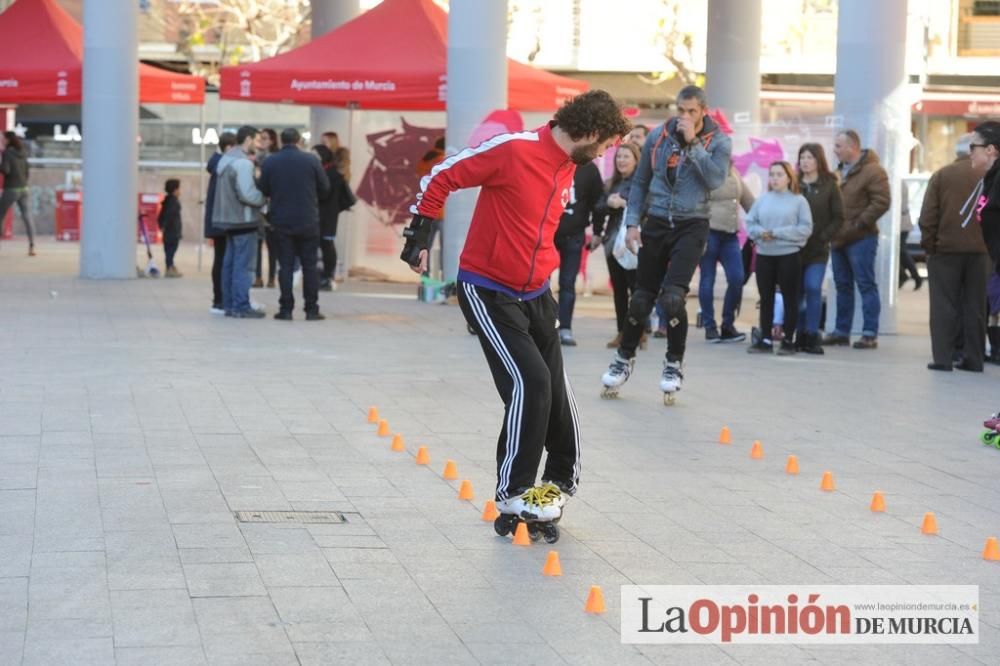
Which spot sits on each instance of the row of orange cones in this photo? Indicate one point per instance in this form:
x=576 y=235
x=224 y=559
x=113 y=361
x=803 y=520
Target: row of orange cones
x=595 y=599
x=929 y=526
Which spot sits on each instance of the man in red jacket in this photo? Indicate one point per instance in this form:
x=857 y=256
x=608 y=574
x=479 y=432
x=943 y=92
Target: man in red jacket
x=503 y=287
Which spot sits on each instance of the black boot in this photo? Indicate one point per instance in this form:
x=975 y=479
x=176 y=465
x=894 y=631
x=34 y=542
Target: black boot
x=812 y=343
x=993 y=334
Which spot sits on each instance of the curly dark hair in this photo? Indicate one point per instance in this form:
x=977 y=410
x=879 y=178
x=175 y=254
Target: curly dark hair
x=594 y=111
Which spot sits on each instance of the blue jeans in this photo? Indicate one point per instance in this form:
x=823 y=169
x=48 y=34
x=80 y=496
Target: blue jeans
x=812 y=297
x=855 y=264
x=722 y=248
x=570 y=257
x=238 y=271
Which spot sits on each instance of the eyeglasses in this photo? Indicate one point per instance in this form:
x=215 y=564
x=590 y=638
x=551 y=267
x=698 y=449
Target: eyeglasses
x=973 y=146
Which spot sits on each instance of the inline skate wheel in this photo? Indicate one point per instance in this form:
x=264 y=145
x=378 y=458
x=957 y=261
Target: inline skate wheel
x=550 y=531
x=669 y=398
x=609 y=393
x=504 y=524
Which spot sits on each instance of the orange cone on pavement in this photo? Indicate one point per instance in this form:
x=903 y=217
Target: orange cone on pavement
x=930 y=524
x=725 y=437
x=383 y=428
x=423 y=458
x=465 y=490
x=397 y=443
x=450 y=471
x=792 y=466
x=878 y=502
x=756 y=451
x=992 y=550
x=490 y=510
x=552 y=566
x=827 y=482
x=521 y=535
x=595 y=600
x=373 y=414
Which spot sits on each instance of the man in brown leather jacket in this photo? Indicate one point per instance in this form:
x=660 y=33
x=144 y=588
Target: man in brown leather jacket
x=957 y=266
x=864 y=186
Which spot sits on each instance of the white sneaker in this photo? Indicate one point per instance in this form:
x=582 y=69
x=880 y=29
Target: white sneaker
x=256 y=306
x=216 y=311
x=533 y=504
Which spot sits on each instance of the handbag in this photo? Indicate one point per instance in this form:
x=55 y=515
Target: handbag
x=625 y=257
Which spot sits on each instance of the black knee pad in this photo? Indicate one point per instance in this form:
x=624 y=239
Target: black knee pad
x=640 y=305
x=673 y=301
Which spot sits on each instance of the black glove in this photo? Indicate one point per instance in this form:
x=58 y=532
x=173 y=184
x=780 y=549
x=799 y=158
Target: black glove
x=417 y=237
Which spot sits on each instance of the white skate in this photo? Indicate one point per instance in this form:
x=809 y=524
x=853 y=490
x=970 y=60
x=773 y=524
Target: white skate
x=671 y=381
x=618 y=373
x=537 y=508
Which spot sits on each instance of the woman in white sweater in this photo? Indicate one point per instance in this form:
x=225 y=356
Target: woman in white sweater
x=780 y=223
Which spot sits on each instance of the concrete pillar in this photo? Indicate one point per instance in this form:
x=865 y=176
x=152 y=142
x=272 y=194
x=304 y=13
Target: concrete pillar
x=872 y=97
x=327 y=15
x=110 y=146
x=732 y=76
x=477 y=85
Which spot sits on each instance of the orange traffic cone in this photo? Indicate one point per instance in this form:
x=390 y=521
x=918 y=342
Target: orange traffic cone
x=792 y=466
x=725 y=437
x=450 y=471
x=878 y=502
x=552 y=566
x=397 y=443
x=383 y=428
x=756 y=451
x=373 y=414
x=827 y=482
x=521 y=535
x=595 y=600
x=992 y=550
x=423 y=458
x=930 y=524
x=465 y=490
x=490 y=510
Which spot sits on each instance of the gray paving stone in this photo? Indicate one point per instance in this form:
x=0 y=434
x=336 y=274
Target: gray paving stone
x=154 y=618
x=88 y=651
x=227 y=579
x=160 y=656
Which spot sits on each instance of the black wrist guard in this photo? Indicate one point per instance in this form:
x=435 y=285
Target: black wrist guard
x=417 y=237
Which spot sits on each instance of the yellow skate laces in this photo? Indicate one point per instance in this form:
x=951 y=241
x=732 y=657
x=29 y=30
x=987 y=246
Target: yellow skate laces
x=543 y=496
x=552 y=492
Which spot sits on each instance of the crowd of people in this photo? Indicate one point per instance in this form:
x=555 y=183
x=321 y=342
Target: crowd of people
x=286 y=198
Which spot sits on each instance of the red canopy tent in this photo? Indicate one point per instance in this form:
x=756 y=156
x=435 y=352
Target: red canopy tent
x=392 y=57
x=41 y=61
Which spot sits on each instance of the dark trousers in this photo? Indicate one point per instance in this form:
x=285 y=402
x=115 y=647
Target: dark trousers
x=272 y=255
x=522 y=349
x=570 y=256
x=669 y=255
x=170 y=249
x=622 y=287
x=783 y=271
x=907 y=266
x=329 y=249
x=219 y=245
x=303 y=246
x=958 y=291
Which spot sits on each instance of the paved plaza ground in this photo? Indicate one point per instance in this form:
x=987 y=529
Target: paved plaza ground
x=133 y=425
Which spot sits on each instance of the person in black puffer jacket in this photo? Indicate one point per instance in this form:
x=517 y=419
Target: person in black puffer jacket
x=607 y=221
x=14 y=167
x=337 y=200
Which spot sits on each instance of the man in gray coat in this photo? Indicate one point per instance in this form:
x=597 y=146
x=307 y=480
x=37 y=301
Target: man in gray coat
x=236 y=211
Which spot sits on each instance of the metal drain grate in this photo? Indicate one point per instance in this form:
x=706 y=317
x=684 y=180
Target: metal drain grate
x=289 y=517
